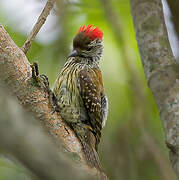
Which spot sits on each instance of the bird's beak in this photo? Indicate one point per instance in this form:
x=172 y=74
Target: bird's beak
x=73 y=54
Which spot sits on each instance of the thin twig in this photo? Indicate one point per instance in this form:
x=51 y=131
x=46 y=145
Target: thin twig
x=41 y=20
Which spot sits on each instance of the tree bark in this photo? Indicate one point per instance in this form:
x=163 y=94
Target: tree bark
x=160 y=67
x=16 y=72
x=23 y=137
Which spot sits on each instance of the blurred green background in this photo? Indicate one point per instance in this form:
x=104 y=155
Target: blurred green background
x=133 y=142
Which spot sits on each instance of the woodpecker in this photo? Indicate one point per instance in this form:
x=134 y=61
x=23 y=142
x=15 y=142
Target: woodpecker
x=79 y=91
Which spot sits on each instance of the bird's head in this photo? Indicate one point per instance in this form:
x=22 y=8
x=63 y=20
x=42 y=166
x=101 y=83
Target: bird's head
x=88 y=43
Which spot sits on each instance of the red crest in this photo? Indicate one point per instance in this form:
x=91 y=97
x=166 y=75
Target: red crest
x=91 y=32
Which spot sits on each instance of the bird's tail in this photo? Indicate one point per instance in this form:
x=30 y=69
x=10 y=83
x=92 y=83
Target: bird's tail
x=91 y=155
x=88 y=142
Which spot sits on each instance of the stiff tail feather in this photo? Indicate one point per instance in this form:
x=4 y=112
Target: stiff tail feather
x=88 y=142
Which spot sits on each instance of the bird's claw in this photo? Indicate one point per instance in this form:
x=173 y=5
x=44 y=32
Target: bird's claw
x=43 y=82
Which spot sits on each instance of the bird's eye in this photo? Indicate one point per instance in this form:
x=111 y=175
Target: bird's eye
x=89 y=48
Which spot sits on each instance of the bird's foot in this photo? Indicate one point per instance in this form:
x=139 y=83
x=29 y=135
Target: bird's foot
x=43 y=82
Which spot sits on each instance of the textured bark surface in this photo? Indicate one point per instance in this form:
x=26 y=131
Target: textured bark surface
x=15 y=72
x=27 y=141
x=160 y=67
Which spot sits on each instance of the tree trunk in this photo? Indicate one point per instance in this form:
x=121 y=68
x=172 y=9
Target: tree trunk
x=160 y=67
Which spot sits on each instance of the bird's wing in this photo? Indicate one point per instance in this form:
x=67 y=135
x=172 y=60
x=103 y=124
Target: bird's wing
x=92 y=93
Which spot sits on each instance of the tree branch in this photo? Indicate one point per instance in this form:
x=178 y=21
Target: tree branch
x=15 y=72
x=160 y=68
x=23 y=137
x=41 y=20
